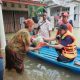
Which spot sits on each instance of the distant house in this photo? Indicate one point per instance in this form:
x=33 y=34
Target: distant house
x=55 y=7
x=14 y=13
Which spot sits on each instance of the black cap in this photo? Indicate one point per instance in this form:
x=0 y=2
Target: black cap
x=63 y=26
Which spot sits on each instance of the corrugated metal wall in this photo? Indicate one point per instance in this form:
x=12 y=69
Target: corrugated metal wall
x=17 y=15
x=8 y=21
x=12 y=20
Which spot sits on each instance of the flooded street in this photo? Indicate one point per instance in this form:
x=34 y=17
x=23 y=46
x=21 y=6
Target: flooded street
x=36 y=69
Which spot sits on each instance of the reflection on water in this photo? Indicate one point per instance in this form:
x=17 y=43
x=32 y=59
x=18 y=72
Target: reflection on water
x=36 y=69
x=41 y=72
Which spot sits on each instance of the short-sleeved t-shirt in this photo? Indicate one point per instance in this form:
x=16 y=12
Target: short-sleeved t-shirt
x=45 y=28
x=66 y=41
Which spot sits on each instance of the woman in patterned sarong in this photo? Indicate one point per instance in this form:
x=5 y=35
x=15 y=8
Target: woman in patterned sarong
x=17 y=46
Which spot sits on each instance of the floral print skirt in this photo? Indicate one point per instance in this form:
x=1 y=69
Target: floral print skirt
x=13 y=60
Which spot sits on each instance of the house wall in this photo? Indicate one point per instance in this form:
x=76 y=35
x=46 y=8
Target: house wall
x=12 y=14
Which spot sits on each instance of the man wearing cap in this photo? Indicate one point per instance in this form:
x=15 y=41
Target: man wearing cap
x=65 y=16
x=66 y=46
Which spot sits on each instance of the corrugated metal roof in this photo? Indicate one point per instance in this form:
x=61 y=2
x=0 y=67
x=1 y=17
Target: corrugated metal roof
x=35 y=3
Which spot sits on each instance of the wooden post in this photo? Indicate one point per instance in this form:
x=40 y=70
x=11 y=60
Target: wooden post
x=2 y=32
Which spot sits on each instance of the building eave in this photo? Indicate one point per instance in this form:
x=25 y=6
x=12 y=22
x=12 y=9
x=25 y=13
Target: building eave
x=33 y=3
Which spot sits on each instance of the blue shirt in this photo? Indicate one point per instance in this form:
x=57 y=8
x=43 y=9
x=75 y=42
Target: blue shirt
x=67 y=40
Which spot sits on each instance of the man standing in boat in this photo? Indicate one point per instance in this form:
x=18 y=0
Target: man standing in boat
x=66 y=46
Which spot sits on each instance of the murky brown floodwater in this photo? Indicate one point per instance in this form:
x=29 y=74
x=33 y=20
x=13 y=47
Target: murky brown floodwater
x=39 y=70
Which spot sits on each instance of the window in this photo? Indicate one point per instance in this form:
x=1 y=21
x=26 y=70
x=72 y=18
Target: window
x=26 y=6
x=68 y=9
x=5 y=4
x=74 y=8
x=65 y=9
x=57 y=10
x=12 y=5
x=75 y=16
x=19 y=5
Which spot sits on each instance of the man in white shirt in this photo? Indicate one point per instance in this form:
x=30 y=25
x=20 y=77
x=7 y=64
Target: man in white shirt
x=45 y=27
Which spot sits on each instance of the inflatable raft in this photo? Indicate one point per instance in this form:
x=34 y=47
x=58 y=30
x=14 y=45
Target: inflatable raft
x=49 y=54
